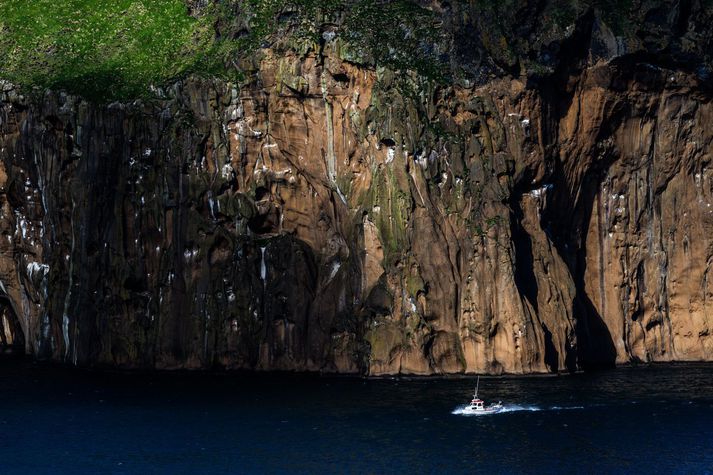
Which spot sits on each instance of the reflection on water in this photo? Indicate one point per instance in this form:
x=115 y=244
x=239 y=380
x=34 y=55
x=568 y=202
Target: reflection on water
x=643 y=420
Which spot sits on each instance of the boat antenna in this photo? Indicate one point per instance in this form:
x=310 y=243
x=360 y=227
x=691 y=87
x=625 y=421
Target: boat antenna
x=477 y=383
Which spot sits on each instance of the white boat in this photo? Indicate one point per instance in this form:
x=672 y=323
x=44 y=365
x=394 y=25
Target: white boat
x=477 y=405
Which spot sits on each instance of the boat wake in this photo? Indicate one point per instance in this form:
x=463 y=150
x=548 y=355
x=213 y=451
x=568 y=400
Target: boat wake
x=460 y=410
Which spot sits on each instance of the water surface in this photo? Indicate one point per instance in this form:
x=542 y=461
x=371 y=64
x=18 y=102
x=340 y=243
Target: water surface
x=629 y=420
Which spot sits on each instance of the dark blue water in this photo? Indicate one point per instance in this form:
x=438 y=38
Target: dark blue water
x=630 y=420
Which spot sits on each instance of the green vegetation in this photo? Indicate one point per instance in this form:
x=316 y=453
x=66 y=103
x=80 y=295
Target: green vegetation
x=119 y=49
x=616 y=13
x=100 y=49
x=398 y=34
x=393 y=202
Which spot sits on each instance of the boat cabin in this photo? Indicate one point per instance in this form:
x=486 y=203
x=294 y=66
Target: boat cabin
x=477 y=403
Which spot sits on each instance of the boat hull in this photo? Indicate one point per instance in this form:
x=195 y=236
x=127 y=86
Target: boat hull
x=468 y=410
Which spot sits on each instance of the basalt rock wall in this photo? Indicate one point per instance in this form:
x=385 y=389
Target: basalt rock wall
x=331 y=216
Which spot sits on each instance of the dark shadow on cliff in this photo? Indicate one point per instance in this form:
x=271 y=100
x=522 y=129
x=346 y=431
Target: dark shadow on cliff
x=568 y=213
x=526 y=282
x=551 y=353
x=595 y=347
x=12 y=338
x=525 y=279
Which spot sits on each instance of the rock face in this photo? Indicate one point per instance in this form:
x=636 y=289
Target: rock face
x=330 y=216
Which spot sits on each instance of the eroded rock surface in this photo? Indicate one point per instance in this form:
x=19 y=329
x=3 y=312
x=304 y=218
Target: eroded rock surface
x=323 y=217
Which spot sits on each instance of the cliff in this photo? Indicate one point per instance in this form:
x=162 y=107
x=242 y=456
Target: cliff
x=544 y=207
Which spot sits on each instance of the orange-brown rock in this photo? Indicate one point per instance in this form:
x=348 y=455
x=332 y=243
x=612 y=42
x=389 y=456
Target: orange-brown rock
x=320 y=218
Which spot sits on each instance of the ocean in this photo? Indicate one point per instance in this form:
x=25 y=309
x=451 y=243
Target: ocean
x=647 y=419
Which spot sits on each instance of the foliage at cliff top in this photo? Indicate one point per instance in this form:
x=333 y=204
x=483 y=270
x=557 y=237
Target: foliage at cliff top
x=107 y=50
x=116 y=50
x=101 y=49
